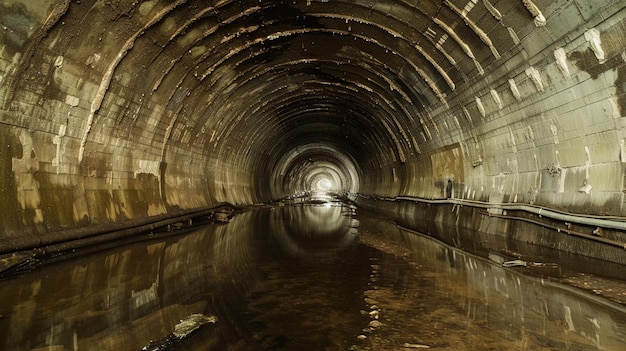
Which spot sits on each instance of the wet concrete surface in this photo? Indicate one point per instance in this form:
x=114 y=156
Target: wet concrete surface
x=312 y=277
x=452 y=300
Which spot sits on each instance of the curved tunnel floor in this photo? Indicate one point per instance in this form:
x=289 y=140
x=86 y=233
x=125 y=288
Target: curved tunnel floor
x=308 y=277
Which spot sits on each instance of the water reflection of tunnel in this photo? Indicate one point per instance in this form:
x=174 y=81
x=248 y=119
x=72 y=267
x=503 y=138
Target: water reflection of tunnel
x=313 y=231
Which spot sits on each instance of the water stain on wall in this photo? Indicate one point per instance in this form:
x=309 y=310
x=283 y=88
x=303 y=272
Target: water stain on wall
x=620 y=86
x=447 y=166
x=587 y=61
x=18 y=27
x=10 y=147
x=612 y=44
x=27 y=186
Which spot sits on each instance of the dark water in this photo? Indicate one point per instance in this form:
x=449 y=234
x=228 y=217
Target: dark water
x=298 y=278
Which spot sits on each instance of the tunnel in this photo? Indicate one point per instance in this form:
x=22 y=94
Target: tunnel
x=487 y=124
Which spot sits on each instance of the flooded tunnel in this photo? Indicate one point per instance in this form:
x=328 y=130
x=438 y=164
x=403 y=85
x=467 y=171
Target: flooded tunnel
x=312 y=174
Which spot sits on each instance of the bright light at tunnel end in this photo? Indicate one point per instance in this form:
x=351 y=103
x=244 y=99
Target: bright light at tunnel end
x=324 y=185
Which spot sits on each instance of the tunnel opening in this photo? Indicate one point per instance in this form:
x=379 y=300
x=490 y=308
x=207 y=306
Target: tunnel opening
x=315 y=168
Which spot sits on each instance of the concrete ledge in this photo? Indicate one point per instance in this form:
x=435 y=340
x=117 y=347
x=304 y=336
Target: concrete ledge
x=74 y=238
x=478 y=230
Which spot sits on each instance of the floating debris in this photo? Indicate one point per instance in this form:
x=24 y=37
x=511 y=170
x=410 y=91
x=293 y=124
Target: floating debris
x=541 y=264
x=375 y=324
x=520 y=263
x=222 y=217
x=175 y=226
x=181 y=331
x=406 y=345
x=17 y=263
x=514 y=263
x=370 y=301
x=193 y=322
x=223 y=214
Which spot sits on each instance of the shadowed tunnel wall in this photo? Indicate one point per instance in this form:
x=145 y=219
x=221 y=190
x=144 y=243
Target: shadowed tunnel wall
x=119 y=111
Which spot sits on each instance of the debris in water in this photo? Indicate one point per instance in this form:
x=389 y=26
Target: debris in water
x=406 y=345
x=18 y=262
x=541 y=264
x=514 y=263
x=370 y=301
x=222 y=217
x=193 y=322
x=375 y=324
x=181 y=331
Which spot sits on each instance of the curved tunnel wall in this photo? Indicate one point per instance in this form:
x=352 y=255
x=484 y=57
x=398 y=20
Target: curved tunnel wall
x=117 y=110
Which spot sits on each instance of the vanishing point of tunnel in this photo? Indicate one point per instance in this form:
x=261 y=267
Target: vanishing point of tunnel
x=494 y=126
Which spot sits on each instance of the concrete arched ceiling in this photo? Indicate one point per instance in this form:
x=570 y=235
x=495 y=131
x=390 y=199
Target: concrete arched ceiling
x=119 y=109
